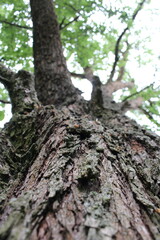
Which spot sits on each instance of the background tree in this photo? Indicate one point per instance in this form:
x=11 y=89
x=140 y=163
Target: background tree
x=72 y=169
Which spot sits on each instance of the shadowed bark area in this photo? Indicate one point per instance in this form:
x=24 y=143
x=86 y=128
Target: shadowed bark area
x=52 y=80
x=76 y=178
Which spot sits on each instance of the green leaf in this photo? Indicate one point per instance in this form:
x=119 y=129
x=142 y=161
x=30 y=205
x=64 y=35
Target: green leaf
x=2 y=115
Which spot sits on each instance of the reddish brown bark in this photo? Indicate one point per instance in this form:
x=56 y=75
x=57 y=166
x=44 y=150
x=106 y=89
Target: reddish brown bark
x=83 y=179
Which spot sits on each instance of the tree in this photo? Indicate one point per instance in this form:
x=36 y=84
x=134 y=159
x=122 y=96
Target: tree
x=79 y=31
x=72 y=169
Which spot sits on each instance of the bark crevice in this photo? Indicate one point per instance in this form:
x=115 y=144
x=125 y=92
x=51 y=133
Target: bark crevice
x=86 y=180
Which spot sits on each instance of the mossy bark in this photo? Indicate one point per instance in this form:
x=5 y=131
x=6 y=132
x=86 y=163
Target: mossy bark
x=75 y=170
x=66 y=176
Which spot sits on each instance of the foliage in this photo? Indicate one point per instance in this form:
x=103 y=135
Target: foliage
x=15 y=41
x=4 y=97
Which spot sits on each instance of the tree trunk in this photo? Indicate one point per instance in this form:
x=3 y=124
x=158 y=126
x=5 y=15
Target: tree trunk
x=69 y=172
x=71 y=177
x=49 y=62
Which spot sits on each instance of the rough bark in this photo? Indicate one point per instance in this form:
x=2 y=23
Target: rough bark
x=52 y=79
x=73 y=172
x=21 y=89
x=69 y=177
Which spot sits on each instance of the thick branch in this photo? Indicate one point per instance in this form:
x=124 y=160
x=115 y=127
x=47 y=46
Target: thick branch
x=21 y=89
x=121 y=74
x=112 y=87
x=6 y=75
x=109 y=88
x=15 y=25
x=132 y=104
x=119 y=40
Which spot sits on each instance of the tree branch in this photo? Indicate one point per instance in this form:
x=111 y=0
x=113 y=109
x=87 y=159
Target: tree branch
x=112 y=87
x=15 y=25
x=6 y=75
x=146 y=113
x=124 y=59
x=76 y=10
x=119 y=40
x=61 y=26
x=136 y=93
x=88 y=74
x=132 y=104
x=72 y=7
x=77 y=75
x=5 y=102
